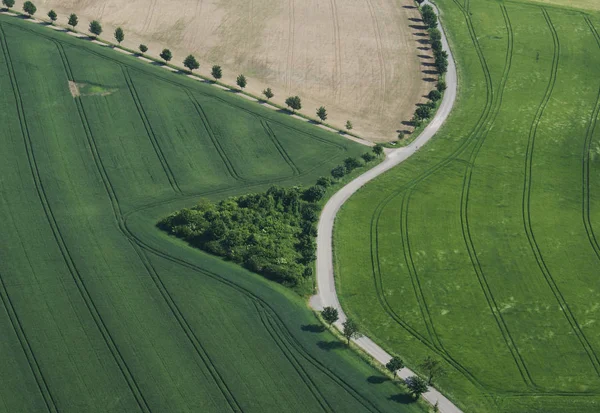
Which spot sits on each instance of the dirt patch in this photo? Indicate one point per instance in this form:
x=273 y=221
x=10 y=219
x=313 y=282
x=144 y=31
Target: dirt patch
x=358 y=58
x=87 y=89
x=74 y=89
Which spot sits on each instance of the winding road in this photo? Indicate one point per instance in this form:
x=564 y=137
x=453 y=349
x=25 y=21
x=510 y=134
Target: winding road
x=326 y=294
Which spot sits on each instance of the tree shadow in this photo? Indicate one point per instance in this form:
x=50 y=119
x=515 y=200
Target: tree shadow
x=408 y=123
x=409 y=7
x=428 y=64
x=419 y=34
x=414 y=19
x=418 y=26
x=402 y=398
x=430 y=72
x=429 y=79
x=377 y=379
x=424 y=56
x=313 y=328
x=423 y=41
x=423 y=48
x=330 y=345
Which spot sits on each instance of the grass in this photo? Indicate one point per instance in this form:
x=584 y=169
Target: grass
x=101 y=311
x=483 y=247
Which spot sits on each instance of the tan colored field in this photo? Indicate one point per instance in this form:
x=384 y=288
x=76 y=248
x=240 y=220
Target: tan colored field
x=358 y=58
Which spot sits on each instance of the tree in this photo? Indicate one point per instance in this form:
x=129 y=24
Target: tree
x=119 y=35
x=350 y=330
x=95 y=28
x=8 y=3
x=348 y=125
x=241 y=81
x=436 y=407
x=268 y=93
x=52 y=16
x=367 y=157
x=314 y=193
x=217 y=72
x=330 y=315
x=29 y=8
x=400 y=136
x=394 y=365
x=166 y=55
x=294 y=102
x=416 y=385
x=378 y=149
x=322 y=113
x=434 y=95
x=73 y=20
x=338 y=172
x=434 y=34
x=441 y=85
x=191 y=63
x=436 y=45
x=351 y=164
x=433 y=368
x=143 y=48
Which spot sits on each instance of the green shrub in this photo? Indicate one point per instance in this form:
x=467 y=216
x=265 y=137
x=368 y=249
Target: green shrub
x=338 y=172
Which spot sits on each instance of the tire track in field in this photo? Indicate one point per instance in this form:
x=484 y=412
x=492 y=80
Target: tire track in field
x=587 y=221
x=211 y=134
x=149 y=16
x=288 y=354
x=77 y=278
x=150 y=132
x=279 y=147
x=526 y=205
x=380 y=57
x=337 y=67
x=118 y=215
x=291 y=41
x=464 y=210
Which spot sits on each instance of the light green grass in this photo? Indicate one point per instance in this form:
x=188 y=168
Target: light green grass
x=482 y=250
x=99 y=310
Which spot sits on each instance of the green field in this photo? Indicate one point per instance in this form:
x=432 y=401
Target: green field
x=100 y=310
x=484 y=249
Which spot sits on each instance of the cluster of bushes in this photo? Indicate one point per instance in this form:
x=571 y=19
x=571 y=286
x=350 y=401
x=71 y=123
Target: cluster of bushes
x=271 y=233
x=430 y=19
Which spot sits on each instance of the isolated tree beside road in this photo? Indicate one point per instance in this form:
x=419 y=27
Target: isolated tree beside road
x=416 y=385
x=191 y=63
x=434 y=95
x=29 y=8
x=73 y=20
x=322 y=113
x=348 y=125
x=143 y=48
x=96 y=28
x=8 y=3
x=294 y=102
x=433 y=368
x=119 y=35
x=350 y=330
x=378 y=149
x=166 y=55
x=241 y=81
x=52 y=16
x=217 y=72
x=330 y=315
x=268 y=93
x=394 y=365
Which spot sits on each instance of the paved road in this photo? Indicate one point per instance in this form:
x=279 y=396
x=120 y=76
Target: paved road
x=326 y=295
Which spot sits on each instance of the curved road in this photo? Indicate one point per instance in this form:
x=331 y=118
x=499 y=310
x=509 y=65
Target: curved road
x=326 y=295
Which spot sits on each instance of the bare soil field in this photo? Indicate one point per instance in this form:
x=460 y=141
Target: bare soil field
x=358 y=58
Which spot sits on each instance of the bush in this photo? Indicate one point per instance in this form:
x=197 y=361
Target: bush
x=324 y=181
x=434 y=95
x=351 y=164
x=434 y=34
x=436 y=45
x=368 y=157
x=441 y=86
x=314 y=193
x=423 y=112
x=338 y=172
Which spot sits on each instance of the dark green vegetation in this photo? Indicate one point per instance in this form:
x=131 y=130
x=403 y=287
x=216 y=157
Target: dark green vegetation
x=100 y=310
x=483 y=250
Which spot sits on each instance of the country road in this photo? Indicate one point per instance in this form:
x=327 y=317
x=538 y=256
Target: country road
x=326 y=293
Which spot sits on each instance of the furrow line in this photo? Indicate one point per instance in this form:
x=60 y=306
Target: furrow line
x=286 y=157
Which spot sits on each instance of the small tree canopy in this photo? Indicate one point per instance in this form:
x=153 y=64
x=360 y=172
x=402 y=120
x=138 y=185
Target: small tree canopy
x=394 y=365
x=268 y=93
x=434 y=95
x=314 y=193
x=191 y=63
x=73 y=20
x=95 y=27
x=441 y=86
x=8 y=3
x=423 y=112
x=350 y=330
x=29 y=8
x=378 y=149
x=348 y=125
x=294 y=102
x=330 y=315
x=119 y=35
x=338 y=172
x=217 y=72
x=433 y=368
x=143 y=48
x=52 y=16
x=322 y=113
x=241 y=81
x=416 y=385
x=166 y=55
x=351 y=164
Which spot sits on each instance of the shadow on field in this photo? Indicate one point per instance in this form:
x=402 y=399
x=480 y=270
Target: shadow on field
x=414 y=19
x=418 y=26
x=409 y=7
x=428 y=64
x=330 y=345
x=429 y=72
x=430 y=79
x=424 y=56
x=377 y=379
x=402 y=398
x=420 y=34
x=313 y=328
x=423 y=48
